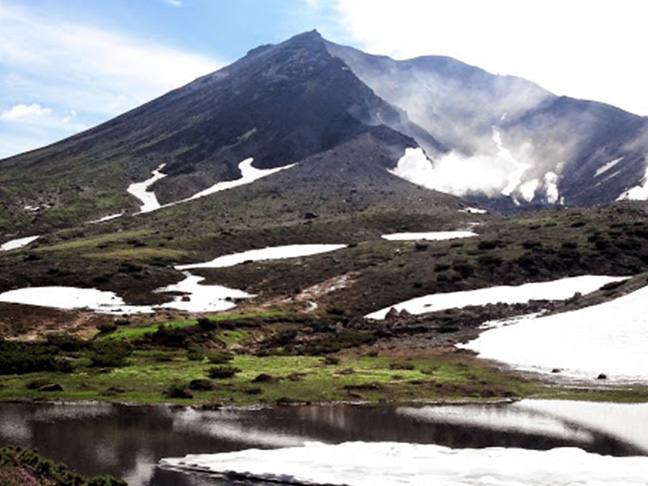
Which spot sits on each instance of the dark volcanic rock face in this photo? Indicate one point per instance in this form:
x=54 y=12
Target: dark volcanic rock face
x=279 y=105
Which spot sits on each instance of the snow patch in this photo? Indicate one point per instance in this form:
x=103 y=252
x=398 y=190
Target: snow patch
x=473 y=211
x=141 y=191
x=430 y=235
x=390 y=463
x=608 y=166
x=637 y=193
x=69 y=298
x=202 y=298
x=18 y=243
x=194 y=298
x=609 y=338
x=107 y=218
x=248 y=174
x=555 y=290
x=270 y=253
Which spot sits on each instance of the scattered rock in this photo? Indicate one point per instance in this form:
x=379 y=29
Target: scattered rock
x=602 y=376
x=310 y=215
x=392 y=314
x=211 y=406
x=556 y=370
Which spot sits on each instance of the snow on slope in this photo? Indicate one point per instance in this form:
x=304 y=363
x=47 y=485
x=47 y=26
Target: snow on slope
x=197 y=298
x=141 y=191
x=248 y=174
x=18 y=243
x=555 y=290
x=609 y=338
x=270 y=253
x=637 y=193
x=149 y=200
x=430 y=235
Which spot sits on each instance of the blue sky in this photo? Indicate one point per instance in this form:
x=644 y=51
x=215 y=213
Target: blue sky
x=67 y=65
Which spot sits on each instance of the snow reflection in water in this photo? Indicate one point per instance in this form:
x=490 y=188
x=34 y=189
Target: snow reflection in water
x=130 y=441
x=389 y=463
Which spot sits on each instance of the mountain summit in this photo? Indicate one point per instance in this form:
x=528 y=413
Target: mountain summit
x=500 y=141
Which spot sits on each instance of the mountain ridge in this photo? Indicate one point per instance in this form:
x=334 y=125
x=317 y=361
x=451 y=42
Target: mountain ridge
x=520 y=144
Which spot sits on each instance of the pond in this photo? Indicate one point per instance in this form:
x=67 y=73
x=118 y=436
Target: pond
x=130 y=441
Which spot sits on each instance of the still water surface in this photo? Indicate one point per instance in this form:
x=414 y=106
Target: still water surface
x=129 y=441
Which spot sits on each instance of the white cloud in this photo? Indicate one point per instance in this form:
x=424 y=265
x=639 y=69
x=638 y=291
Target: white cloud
x=23 y=112
x=174 y=3
x=582 y=48
x=85 y=74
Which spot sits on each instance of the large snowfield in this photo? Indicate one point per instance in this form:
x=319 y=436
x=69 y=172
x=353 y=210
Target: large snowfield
x=609 y=338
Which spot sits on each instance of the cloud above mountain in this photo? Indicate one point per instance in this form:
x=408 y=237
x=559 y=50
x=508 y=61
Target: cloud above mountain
x=580 y=48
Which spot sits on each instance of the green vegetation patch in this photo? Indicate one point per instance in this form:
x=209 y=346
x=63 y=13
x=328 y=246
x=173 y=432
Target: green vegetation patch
x=91 y=242
x=138 y=254
x=24 y=467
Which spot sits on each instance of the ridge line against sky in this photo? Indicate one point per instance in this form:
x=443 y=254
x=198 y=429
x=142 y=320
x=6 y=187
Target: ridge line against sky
x=67 y=65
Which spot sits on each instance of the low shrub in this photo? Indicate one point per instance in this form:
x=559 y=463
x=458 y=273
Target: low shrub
x=109 y=354
x=194 y=353
x=206 y=324
x=30 y=469
x=222 y=372
x=20 y=358
x=219 y=357
x=178 y=390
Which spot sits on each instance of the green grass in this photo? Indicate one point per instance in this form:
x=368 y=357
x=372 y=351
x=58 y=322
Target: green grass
x=92 y=242
x=230 y=337
x=131 y=333
x=138 y=254
x=151 y=373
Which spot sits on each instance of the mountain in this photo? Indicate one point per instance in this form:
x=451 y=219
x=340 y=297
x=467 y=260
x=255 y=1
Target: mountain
x=524 y=144
x=498 y=141
x=279 y=104
x=308 y=142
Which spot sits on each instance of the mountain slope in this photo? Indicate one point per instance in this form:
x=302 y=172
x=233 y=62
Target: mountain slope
x=279 y=105
x=543 y=149
x=497 y=140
